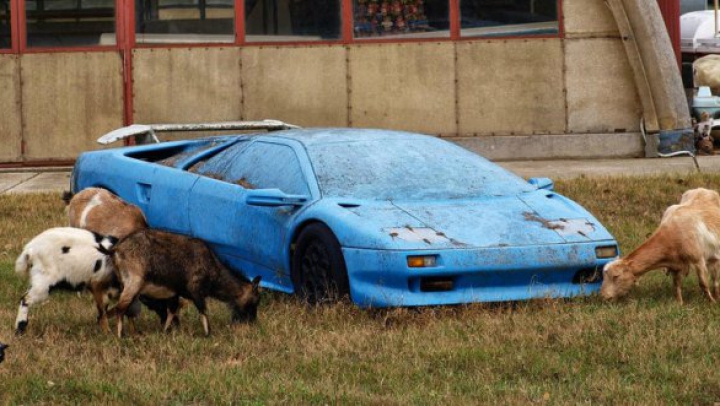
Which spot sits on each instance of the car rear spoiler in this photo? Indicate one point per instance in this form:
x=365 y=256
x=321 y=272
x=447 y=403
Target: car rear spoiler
x=145 y=133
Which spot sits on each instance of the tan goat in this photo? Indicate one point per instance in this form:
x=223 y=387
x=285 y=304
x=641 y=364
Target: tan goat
x=688 y=237
x=102 y=212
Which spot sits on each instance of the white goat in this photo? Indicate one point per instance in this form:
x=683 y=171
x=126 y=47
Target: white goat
x=65 y=257
x=688 y=237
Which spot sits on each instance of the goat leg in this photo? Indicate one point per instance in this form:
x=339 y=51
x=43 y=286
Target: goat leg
x=714 y=268
x=98 y=292
x=677 y=283
x=35 y=295
x=703 y=278
x=21 y=321
x=200 y=305
x=127 y=297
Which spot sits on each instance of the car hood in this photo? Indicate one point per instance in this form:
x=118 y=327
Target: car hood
x=536 y=218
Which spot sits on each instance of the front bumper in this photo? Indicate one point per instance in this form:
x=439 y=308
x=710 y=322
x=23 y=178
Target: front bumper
x=381 y=278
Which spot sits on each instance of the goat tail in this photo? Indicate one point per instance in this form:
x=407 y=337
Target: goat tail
x=67 y=196
x=22 y=264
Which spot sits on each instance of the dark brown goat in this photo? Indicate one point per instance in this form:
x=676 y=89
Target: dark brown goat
x=162 y=265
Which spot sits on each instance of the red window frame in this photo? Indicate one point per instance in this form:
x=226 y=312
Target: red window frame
x=19 y=32
x=14 y=24
x=560 y=33
x=125 y=31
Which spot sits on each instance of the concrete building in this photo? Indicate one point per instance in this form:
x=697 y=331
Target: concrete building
x=512 y=79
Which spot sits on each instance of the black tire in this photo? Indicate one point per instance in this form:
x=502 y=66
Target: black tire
x=318 y=267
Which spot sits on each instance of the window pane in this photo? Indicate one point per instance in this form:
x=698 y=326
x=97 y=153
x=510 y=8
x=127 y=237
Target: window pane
x=70 y=23
x=5 y=24
x=187 y=21
x=508 y=17
x=401 y=18
x=292 y=20
x=257 y=166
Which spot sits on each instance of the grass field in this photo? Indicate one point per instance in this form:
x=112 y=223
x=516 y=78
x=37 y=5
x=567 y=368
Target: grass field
x=645 y=349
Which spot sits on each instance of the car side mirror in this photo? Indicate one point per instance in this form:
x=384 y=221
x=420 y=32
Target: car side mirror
x=273 y=198
x=542 y=183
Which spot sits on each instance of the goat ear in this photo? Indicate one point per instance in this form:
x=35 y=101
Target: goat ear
x=256 y=282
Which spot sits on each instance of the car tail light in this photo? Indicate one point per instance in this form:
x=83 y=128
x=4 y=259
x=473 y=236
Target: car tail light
x=608 y=251
x=422 y=261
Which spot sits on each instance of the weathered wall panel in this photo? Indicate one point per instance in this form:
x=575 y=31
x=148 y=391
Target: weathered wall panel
x=601 y=92
x=183 y=85
x=10 y=123
x=510 y=87
x=588 y=17
x=403 y=86
x=69 y=100
x=306 y=86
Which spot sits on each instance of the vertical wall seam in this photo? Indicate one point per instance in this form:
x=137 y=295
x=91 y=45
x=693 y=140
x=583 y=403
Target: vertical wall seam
x=19 y=101
x=348 y=82
x=457 y=89
x=566 y=103
x=242 y=84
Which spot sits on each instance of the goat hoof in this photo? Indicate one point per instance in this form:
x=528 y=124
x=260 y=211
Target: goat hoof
x=21 y=328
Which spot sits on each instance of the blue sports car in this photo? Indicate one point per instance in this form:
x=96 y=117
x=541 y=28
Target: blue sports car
x=387 y=218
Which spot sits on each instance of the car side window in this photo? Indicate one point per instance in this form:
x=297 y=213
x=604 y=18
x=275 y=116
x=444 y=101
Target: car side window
x=260 y=165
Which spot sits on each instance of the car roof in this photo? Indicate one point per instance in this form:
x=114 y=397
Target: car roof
x=321 y=136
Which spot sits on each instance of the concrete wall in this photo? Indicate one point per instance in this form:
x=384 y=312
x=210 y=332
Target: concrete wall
x=185 y=85
x=511 y=93
x=10 y=111
x=306 y=86
x=403 y=87
x=68 y=99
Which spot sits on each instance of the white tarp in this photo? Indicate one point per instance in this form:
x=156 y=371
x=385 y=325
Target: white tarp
x=706 y=72
x=697 y=32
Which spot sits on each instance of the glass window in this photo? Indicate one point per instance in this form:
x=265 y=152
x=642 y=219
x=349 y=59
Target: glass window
x=431 y=169
x=508 y=17
x=184 y=21
x=401 y=18
x=70 y=23
x=5 y=24
x=292 y=20
x=257 y=166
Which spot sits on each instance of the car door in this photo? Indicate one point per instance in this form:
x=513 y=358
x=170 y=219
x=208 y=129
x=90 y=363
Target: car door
x=249 y=238
x=166 y=199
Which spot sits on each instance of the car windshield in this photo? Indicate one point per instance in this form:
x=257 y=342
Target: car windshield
x=416 y=169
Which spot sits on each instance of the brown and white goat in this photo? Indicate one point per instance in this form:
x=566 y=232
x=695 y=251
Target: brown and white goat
x=101 y=212
x=688 y=237
x=163 y=265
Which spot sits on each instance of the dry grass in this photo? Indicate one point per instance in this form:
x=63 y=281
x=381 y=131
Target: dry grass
x=646 y=349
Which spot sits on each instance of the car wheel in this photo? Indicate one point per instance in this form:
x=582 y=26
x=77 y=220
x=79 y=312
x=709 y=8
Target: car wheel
x=318 y=270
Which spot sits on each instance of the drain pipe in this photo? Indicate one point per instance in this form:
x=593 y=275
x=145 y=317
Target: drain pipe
x=665 y=111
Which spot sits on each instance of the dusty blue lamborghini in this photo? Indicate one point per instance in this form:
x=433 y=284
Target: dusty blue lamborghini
x=385 y=218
